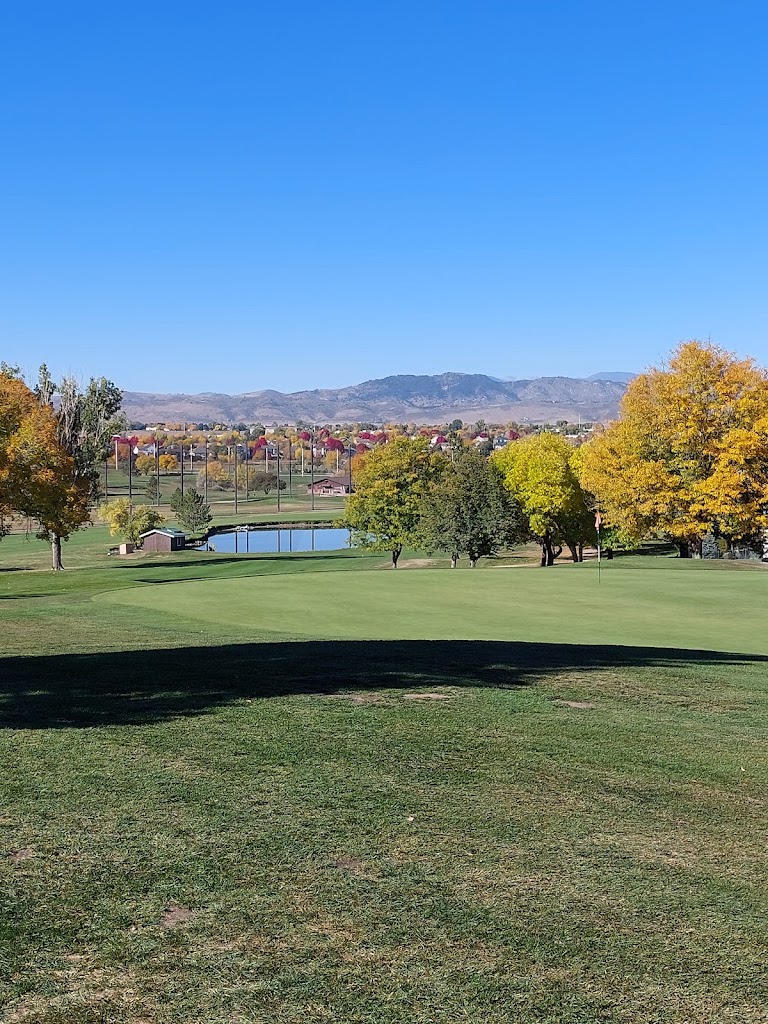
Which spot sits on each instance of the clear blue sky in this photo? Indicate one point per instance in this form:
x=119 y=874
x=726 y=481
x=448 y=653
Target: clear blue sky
x=230 y=196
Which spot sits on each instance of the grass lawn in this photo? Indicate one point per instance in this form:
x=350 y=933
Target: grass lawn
x=295 y=789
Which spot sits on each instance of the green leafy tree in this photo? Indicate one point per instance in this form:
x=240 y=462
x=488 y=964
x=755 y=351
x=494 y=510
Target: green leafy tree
x=258 y=480
x=86 y=422
x=384 y=512
x=191 y=510
x=129 y=521
x=469 y=511
x=539 y=473
x=152 y=489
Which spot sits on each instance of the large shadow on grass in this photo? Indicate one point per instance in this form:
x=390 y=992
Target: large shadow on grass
x=148 y=686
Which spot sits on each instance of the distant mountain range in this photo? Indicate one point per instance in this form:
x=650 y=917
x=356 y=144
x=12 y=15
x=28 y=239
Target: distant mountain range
x=403 y=398
x=621 y=376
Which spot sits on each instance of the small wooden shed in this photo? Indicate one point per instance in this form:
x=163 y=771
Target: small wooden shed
x=163 y=540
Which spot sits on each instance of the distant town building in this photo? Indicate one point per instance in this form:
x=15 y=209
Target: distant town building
x=329 y=485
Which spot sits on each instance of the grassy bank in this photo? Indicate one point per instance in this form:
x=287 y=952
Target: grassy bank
x=214 y=813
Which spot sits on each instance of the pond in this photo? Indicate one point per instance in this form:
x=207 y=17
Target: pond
x=278 y=540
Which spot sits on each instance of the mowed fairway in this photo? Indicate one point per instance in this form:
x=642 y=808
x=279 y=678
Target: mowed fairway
x=667 y=606
x=287 y=794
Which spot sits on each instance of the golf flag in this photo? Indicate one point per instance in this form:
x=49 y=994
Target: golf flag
x=598 y=520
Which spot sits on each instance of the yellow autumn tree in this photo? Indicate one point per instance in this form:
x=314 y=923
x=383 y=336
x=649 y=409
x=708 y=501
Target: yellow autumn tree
x=539 y=473
x=17 y=403
x=145 y=464
x=38 y=477
x=688 y=454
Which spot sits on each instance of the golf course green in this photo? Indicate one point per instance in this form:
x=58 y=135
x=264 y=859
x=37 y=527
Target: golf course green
x=673 y=606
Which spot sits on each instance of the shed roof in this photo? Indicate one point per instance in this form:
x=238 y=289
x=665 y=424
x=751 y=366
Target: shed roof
x=167 y=531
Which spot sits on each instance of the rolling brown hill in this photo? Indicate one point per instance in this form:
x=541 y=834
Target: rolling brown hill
x=401 y=398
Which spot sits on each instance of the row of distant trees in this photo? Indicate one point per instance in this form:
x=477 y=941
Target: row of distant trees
x=686 y=460
x=407 y=494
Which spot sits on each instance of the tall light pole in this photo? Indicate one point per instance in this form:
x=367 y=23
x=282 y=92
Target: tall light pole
x=278 y=479
x=312 y=466
x=235 y=454
x=206 y=469
x=157 y=470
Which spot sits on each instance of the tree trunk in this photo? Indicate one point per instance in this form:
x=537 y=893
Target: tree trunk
x=56 y=553
x=574 y=552
x=473 y=562
x=548 y=551
x=395 y=556
x=581 y=550
x=454 y=559
x=684 y=548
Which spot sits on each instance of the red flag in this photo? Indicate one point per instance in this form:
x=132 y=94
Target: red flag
x=598 y=520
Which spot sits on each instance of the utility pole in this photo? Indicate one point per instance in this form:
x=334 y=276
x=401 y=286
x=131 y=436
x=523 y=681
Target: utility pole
x=312 y=466
x=278 y=479
x=235 y=463
x=206 y=469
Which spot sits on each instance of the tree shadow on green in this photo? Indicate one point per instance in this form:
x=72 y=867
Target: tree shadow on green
x=149 y=686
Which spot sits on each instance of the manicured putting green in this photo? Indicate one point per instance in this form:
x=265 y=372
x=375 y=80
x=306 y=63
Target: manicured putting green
x=669 y=605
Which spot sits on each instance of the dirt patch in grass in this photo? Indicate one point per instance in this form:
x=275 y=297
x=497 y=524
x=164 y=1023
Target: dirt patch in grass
x=414 y=563
x=26 y=853
x=361 y=698
x=351 y=864
x=582 y=705
x=426 y=696
x=173 y=916
x=355 y=866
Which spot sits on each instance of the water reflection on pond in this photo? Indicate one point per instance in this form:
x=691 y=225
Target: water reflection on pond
x=280 y=540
